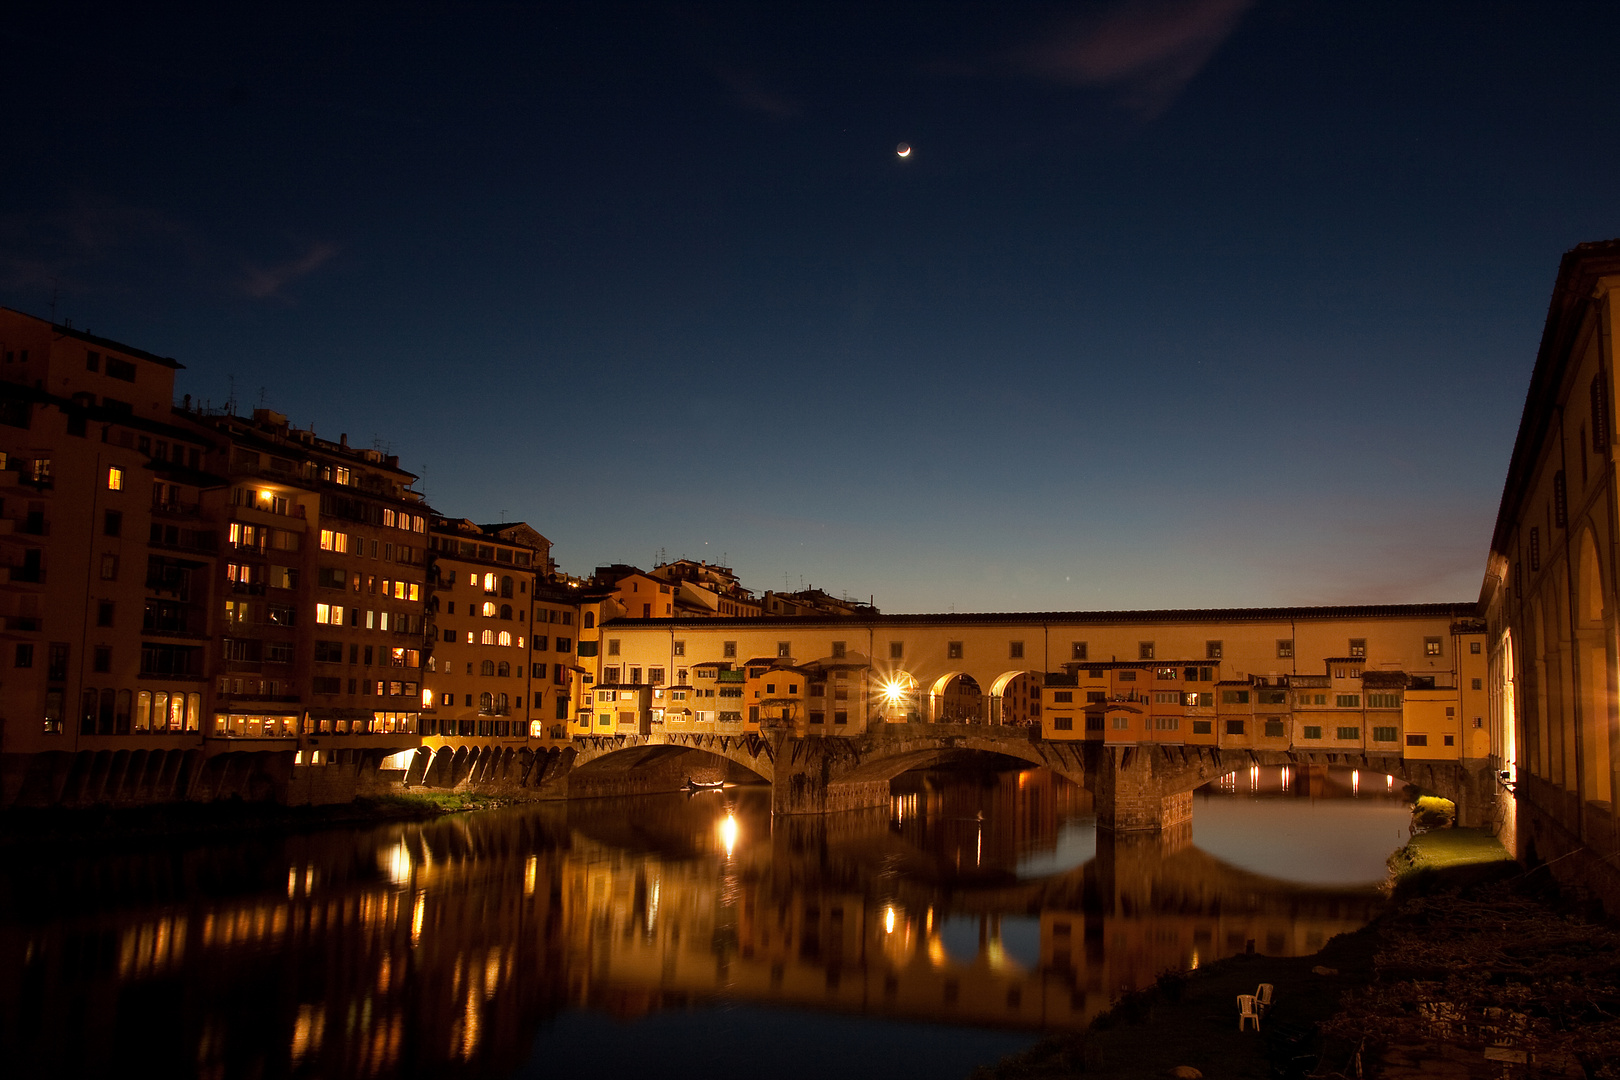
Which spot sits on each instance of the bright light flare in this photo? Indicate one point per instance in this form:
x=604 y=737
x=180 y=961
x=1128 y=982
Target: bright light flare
x=888 y=919
x=728 y=833
x=893 y=691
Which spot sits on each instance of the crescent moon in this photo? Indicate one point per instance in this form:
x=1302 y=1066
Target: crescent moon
x=903 y=150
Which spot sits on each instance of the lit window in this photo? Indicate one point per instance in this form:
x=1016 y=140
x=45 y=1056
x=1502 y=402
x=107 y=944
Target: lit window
x=505 y=638
x=472 y=579
x=1431 y=646
x=489 y=609
x=115 y=478
x=489 y=637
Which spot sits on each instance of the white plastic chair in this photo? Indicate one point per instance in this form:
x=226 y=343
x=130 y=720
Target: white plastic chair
x=1248 y=1010
x=1262 y=996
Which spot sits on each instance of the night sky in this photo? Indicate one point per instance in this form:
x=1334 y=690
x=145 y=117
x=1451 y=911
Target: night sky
x=1177 y=303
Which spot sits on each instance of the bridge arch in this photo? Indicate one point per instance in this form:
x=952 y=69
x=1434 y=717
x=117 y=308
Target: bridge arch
x=895 y=697
x=1015 y=697
x=664 y=755
x=956 y=698
x=926 y=752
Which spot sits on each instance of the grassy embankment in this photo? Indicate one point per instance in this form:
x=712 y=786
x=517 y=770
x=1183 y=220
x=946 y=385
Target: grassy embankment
x=1191 y=1018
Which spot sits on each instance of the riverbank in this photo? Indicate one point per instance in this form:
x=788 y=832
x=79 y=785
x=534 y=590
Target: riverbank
x=1472 y=952
x=83 y=827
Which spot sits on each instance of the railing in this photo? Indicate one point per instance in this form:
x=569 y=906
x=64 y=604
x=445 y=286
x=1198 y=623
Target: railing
x=177 y=509
x=33 y=575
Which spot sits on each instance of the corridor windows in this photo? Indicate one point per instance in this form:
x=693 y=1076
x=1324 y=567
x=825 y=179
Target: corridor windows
x=1285 y=648
x=1015 y=650
x=1212 y=650
x=1078 y=650
x=1144 y=650
x=1473 y=648
x=953 y=650
x=613 y=647
x=784 y=649
x=838 y=650
x=1358 y=647
x=897 y=650
x=1431 y=646
x=729 y=650
x=678 y=648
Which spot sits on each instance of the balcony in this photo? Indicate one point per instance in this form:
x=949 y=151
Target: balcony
x=247 y=588
x=176 y=509
x=32 y=575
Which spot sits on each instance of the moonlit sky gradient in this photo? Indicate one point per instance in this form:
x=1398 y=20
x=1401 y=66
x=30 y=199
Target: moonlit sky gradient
x=1176 y=303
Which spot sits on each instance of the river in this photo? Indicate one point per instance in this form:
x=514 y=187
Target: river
x=670 y=936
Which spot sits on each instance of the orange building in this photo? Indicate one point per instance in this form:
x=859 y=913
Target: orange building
x=501 y=671
x=110 y=565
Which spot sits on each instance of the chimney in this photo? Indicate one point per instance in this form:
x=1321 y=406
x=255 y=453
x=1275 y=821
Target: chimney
x=343 y=440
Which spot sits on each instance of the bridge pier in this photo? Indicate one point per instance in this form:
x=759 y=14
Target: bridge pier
x=822 y=776
x=1131 y=795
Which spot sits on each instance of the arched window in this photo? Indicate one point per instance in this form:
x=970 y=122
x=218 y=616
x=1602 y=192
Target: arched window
x=487 y=668
x=489 y=609
x=505 y=637
x=504 y=670
x=502 y=703
x=506 y=612
x=590 y=619
x=489 y=637
x=489 y=583
x=506 y=586
x=486 y=702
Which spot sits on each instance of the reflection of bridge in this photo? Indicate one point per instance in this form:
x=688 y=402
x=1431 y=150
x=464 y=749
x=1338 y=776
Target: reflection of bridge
x=1136 y=788
x=441 y=948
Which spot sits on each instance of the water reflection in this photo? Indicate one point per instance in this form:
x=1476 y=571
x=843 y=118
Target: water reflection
x=405 y=950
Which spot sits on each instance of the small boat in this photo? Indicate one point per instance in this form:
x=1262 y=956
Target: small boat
x=696 y=785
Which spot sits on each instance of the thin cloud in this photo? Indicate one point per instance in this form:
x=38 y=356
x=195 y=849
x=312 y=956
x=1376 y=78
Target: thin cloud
x=1147 y=50
x=748 y=93
x=267 y=283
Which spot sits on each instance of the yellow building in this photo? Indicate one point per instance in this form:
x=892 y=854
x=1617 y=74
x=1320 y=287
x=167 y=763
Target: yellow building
x=1549 y=594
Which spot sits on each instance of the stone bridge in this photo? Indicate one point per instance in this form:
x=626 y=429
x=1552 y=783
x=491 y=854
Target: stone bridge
x=1146 y=787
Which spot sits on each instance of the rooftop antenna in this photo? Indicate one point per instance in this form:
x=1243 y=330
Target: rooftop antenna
x=230 y=402
x=263 y=393
x=54 y=291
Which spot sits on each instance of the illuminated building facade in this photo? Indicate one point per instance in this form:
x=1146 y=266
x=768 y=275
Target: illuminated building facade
x=1549 y=594
x=501 y=636
x=110 y=563
x=1398 y=680
x=324 y=588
